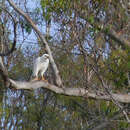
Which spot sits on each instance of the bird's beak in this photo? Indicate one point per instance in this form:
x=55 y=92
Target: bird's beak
x=47 y=56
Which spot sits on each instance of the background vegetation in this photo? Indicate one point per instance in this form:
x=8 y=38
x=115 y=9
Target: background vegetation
x=80 y=35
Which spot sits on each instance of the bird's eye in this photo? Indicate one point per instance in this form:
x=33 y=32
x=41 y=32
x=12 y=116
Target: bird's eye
x=47 y=56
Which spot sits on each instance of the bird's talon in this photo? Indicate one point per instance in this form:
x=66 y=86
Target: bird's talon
x=35 y=79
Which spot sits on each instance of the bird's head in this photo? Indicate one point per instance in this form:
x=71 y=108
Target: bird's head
x=46 y=56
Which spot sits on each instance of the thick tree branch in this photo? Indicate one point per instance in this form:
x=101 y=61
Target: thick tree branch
x=54 y=67
x=81 y=92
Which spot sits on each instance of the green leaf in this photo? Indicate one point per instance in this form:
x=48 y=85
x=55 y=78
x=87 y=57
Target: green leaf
x=28 y=28
x=91 y=19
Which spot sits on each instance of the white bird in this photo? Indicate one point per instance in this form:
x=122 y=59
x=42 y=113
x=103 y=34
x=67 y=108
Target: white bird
x=40 y=66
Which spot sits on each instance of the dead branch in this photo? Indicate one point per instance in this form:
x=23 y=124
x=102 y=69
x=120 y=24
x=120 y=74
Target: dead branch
x=80 y=92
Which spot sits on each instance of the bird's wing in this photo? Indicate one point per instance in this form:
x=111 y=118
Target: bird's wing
x=44 y=66
x=36 y=64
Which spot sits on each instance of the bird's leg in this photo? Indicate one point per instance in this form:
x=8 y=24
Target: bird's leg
x=43 y=78
x=35 y=79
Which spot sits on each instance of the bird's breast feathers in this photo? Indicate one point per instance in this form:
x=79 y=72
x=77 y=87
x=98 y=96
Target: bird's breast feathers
x=45 y=63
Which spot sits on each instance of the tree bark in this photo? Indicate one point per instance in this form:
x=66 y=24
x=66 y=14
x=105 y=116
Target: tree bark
x=80 y=92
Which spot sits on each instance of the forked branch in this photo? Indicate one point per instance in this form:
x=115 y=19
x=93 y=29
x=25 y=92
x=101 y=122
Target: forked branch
x=42 y=38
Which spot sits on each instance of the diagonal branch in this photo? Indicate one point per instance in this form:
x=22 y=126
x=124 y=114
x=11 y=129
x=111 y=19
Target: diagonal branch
x=116 y=37
x=54 y=67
